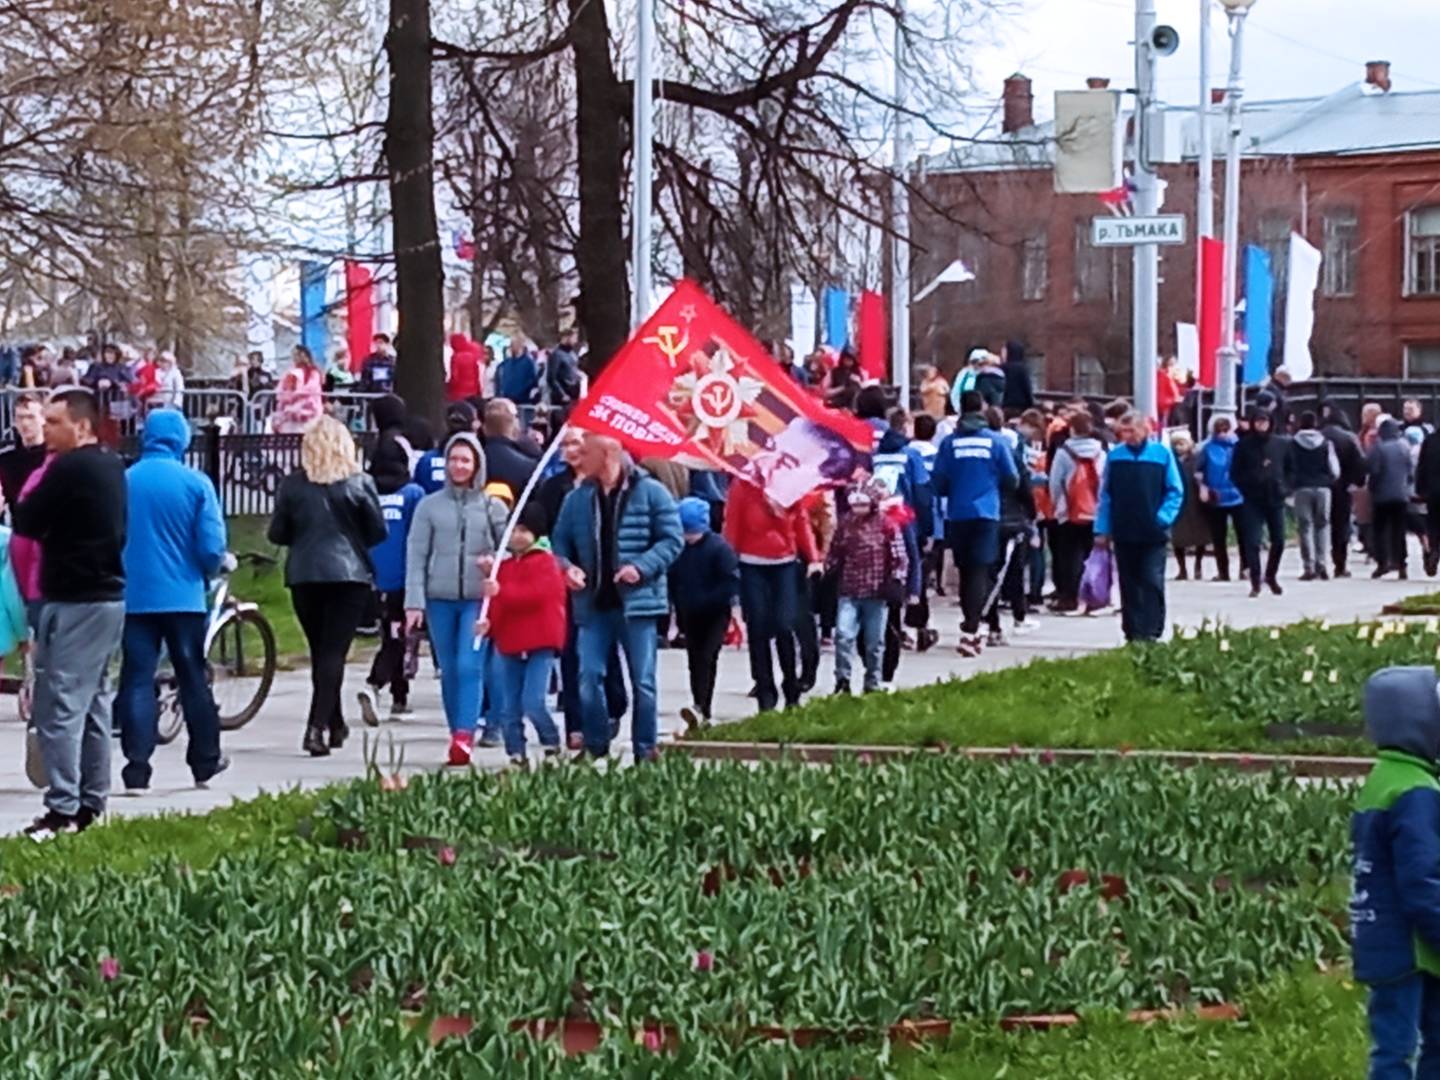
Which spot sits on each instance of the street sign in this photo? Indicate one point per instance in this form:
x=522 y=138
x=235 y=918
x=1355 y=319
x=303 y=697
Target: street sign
x=1130 y=231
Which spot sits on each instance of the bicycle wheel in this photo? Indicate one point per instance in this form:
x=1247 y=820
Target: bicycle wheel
x=169 y=719
x=241 y=661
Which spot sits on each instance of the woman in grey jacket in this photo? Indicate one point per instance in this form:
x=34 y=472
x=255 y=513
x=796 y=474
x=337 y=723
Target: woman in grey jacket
x=454 y=535
x=328 y=514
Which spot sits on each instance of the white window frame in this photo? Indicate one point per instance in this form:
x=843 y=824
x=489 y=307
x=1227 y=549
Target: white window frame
x=1411 y=287
x=1035 y=267
x=1409 y=349
x=1340 y=271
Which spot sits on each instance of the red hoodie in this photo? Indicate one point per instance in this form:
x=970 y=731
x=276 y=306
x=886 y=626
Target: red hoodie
x=528 y=613
x=761 y=532
x=464 y=379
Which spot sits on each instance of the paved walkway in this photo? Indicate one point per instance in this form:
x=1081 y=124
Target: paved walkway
x=266 y=755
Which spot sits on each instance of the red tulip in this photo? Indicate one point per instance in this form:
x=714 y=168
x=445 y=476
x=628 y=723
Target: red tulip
x=1047 y=758
x=1070 y=880
x=109 y=968
x=1114 y=887
x=704 y=961
x=446 y=855
x=652 y=1040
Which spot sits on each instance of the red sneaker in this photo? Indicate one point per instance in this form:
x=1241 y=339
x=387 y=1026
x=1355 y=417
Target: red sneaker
x=461 y=745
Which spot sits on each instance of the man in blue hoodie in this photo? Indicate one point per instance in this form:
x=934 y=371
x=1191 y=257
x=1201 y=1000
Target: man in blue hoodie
x=175 y=541
x=1141 y=495
x=1395 y=906
x=971 y=468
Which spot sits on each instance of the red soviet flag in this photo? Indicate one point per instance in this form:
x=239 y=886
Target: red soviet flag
x=693 y=385
x=1209 y=316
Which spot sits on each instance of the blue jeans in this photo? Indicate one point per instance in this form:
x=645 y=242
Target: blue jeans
x=462 y=665
x=865 y=619
x=1404 y=1017
x=520 y=685
x=183 y=635
x=598 y=638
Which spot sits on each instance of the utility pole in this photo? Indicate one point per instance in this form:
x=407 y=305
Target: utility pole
x=1147 y=203
x=900 y=224
x=1226 y=402
x=643 y=128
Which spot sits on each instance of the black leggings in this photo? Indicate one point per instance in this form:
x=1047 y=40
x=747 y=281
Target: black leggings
x=1012 y=585
x=329 y=613
x=704 y=636
x=1220 y=519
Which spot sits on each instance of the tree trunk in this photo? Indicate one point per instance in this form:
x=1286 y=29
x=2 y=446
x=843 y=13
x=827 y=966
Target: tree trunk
x=599 y=123
x=410 y=160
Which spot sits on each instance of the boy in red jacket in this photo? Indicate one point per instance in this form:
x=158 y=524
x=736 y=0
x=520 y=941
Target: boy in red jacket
x=527 y=631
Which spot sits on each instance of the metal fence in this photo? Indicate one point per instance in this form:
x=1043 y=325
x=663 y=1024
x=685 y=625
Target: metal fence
x=246 y=469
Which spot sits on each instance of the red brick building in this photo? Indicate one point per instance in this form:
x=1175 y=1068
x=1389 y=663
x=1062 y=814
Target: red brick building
x=1357 y=173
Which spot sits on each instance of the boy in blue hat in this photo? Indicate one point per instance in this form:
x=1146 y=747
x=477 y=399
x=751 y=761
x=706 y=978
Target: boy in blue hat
x=704 y=582
x=1395 y=908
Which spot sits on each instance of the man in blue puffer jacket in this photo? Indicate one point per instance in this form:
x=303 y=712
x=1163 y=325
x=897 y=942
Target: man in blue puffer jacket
x=1395 y=908
x=1221 y=498
x=617 y=535
x=175 y=540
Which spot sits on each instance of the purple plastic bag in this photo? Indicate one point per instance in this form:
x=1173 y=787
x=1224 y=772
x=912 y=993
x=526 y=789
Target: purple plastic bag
x=1098 y=580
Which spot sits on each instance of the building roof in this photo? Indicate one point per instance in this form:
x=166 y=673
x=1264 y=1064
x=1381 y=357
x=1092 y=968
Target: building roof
x=1357 y=119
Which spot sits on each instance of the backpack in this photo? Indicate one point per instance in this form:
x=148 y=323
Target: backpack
x=1082 y=490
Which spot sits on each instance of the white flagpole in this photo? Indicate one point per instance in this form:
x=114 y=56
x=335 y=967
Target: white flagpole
x=530 y=485
x=643 y=126
x=900 y=271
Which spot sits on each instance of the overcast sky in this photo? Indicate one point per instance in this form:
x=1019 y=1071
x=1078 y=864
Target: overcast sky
x=1293 y=48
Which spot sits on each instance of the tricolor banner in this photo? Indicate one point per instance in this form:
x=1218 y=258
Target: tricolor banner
x=694 y=385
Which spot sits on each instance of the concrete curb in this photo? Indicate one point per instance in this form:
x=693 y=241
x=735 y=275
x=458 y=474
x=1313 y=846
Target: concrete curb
x=824 y=754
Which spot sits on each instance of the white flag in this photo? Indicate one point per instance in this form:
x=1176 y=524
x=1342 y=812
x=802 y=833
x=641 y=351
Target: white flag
x=802 y=322
x=1300 y=307
x=1187 y=347
x=957 y=273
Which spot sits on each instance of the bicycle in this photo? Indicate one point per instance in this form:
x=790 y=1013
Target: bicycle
x=240 y=665
x=240 y=661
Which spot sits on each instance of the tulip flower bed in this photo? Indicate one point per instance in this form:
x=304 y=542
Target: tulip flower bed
x=698 y=921
x=1291 y=689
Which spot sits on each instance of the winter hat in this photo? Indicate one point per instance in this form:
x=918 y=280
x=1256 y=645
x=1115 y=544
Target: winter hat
x=389 y=412
x=533 y=519
x=694 y=516
x=496 y=490
x=460 y=416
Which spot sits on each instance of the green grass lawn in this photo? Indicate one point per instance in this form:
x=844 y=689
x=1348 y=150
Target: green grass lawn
x=1093 y=702
x=1304 y=1027
x=1421 y=604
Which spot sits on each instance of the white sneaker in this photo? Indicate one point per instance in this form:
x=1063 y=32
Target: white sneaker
x=1020 y=629
x=368 y=707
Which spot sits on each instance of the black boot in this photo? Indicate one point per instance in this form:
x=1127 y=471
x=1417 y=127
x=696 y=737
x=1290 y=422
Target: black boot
x=339 y=732
x=314 y=743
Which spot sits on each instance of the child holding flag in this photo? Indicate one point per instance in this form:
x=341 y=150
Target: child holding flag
x=527 y=627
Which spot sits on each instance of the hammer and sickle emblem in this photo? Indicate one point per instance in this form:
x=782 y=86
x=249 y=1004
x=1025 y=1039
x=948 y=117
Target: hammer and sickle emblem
x=671 y=341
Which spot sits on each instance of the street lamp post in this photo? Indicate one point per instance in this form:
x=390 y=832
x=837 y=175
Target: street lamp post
x=1145 y=324
x=1226 y=394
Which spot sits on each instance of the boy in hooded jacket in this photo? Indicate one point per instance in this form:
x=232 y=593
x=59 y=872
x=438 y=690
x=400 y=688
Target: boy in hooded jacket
x=1395 y=906
x=527 y=627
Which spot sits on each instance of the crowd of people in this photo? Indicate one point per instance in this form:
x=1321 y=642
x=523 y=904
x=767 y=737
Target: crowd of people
x=526 y=582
